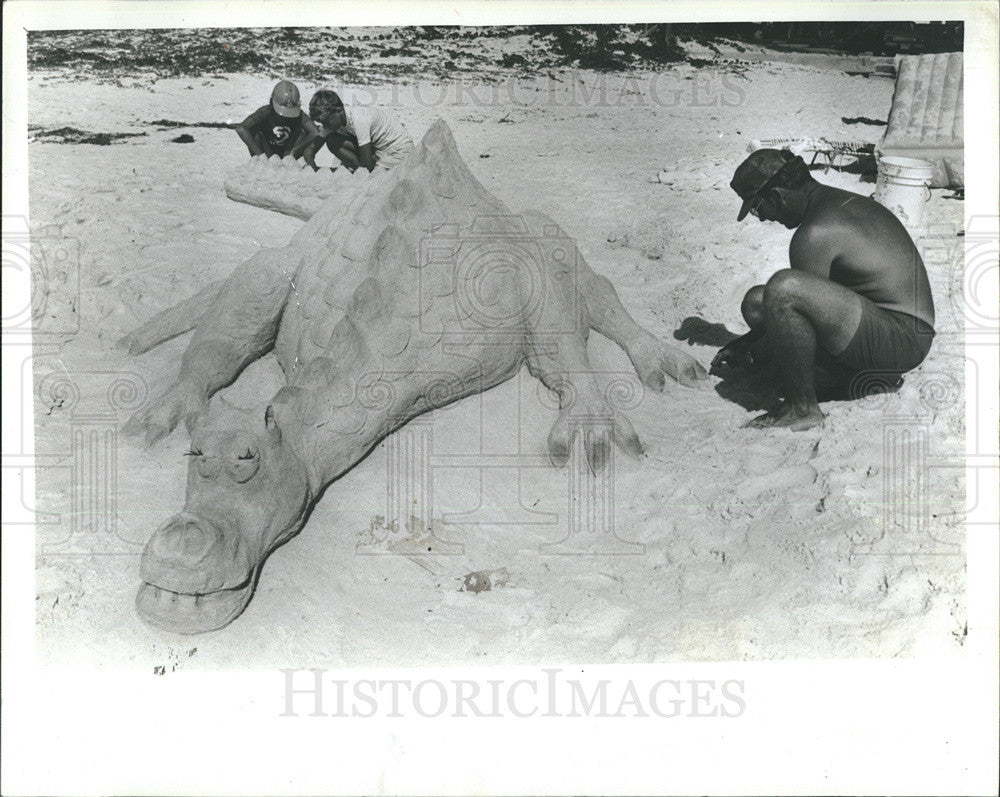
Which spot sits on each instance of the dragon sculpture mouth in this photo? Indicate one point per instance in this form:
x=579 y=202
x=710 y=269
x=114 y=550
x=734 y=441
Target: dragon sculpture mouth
x=184 y=613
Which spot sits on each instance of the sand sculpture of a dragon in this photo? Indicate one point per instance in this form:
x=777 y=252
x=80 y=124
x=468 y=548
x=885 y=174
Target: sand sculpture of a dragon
x=403 y=292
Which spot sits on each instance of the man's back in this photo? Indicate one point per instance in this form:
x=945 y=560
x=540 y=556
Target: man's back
x=867 y=250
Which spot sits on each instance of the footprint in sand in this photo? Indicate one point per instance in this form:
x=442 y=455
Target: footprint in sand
x=782 y=466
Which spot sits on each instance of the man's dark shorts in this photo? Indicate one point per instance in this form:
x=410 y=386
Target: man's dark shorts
x=888 y=341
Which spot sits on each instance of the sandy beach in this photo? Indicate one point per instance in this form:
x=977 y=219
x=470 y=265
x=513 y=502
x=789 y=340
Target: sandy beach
x=728 y=543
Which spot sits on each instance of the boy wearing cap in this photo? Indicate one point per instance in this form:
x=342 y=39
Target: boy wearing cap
x=359 y=137
x=856 y=291
x=278 y=128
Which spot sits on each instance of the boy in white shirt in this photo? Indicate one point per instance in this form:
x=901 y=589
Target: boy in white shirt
x=357 y=136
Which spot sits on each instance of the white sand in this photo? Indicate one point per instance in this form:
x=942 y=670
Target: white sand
x=731 y=569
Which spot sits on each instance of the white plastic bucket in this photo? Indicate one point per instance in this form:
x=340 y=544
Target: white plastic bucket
x=903 y=186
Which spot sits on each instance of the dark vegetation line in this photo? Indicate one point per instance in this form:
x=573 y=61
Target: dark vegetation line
x=863 y=120
x=357 y=54
x=73 y=135
x=166 y=124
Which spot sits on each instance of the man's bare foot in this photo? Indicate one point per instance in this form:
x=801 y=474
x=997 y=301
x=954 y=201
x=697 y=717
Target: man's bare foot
x=788 y=416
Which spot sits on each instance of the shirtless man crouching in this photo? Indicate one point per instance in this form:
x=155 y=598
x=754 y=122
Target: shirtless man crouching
x=857 y=287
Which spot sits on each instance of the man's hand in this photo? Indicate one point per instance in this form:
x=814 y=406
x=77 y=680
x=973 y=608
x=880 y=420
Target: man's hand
x=734 y=356
x=737 y=355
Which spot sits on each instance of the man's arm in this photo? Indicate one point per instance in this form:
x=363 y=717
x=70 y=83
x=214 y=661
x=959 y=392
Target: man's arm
x=813 y=249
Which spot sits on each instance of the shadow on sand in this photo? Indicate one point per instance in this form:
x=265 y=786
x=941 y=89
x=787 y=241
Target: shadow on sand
x=863 y=165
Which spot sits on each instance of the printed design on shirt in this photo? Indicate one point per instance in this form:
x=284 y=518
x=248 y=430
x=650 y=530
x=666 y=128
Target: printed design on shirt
x=280 y=134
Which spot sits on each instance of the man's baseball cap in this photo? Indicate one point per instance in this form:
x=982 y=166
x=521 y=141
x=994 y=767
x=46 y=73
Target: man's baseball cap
x=756 y=174
x=285 y=99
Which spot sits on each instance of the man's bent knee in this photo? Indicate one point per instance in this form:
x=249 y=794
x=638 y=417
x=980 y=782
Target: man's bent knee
x=784 y=287
x=752 y=307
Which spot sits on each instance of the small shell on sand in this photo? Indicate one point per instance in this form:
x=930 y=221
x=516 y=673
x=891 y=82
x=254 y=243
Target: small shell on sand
x=485 y=580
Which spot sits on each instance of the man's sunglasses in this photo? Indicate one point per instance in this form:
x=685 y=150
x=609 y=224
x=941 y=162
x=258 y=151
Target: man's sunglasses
x=761 y=196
